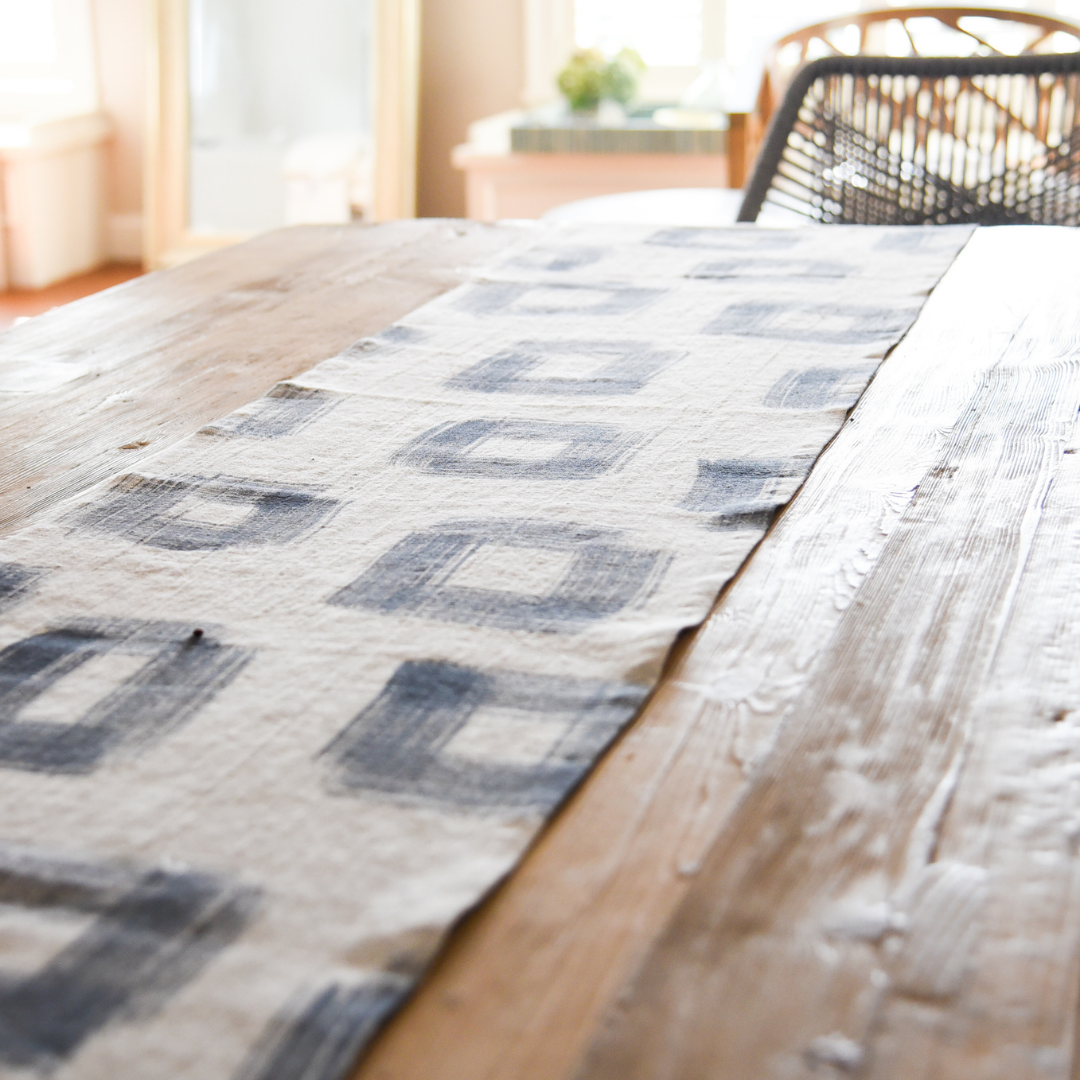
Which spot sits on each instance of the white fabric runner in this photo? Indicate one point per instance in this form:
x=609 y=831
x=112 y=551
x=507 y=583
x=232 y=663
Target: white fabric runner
x=276 y=711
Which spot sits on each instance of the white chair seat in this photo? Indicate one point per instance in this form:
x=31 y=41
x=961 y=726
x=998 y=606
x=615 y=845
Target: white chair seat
x=670 y=206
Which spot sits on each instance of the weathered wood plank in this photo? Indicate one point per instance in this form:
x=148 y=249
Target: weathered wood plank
x=521 y=989
x=996 y=923
x=96 y=386
x=836 y=921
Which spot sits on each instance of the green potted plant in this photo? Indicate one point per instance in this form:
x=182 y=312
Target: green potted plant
x=590 y=77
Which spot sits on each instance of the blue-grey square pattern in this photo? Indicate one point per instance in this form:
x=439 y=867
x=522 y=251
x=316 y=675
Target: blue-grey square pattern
x=819 y=387
x=283 y=411
x=607 y=368
x=153 y=931
x=576 y=451
x=557 y=298
x=398 y=744
x=415 y=577
x=744 y=493
x=248 y=513
x=17 y=582
x=831 y=323
x=185 y=666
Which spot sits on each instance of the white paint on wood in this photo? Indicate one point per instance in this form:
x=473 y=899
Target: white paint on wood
x=864 y=766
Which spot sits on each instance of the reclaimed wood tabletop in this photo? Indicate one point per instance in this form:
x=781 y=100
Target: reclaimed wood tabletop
x=96 y=386
x=841 y=839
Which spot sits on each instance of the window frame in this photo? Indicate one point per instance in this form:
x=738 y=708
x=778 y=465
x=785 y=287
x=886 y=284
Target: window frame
x=168 y=239
x=550 y=39
x=75 y=62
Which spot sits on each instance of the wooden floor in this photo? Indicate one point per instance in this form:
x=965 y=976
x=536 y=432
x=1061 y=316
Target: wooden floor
x=26 y=303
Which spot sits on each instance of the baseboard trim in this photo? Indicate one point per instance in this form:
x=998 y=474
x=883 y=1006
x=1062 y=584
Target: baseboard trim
x=124 y=238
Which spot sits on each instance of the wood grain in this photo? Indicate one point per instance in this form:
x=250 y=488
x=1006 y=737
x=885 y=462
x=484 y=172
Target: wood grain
x=118 y=376
x=827 y=908
x=1011 y=827
x=842 y=839
x=840 y=863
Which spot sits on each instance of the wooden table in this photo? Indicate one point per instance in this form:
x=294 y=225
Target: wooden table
x=842 y=838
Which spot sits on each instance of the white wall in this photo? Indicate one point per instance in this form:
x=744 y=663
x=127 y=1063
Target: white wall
x=122 y=41
x=266 y=77
x=278 y=68
x=47 y=61
x=472 y=65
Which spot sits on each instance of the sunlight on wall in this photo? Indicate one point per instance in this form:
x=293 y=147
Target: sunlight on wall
x=276 y=88
x=47 y=62
x=27 y=32
x=752 y=27
x=670 y=34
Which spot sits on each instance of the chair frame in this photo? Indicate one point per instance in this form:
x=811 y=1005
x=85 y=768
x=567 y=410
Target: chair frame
x=777 y=76
x=784 y=118
x=747 y=129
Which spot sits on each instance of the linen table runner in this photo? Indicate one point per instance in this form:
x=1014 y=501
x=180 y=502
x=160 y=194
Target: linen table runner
x=276 y=710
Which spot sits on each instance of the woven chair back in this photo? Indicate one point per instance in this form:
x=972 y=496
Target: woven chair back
x=913 y=31
x=911 y=141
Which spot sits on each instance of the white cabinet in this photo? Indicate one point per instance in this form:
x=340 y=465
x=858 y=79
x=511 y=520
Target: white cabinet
x=52 y=197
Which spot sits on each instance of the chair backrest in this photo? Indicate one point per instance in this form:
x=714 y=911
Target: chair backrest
x=913 y=31
x=905 y=141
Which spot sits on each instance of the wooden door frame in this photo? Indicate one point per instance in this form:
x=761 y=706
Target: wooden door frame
x=168 y=240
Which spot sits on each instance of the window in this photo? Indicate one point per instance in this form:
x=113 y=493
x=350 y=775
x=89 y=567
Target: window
x=669 y=36
x=279 y=112
x=751 y=28
x=47 y=65
x=675 y=37
x=27 y=32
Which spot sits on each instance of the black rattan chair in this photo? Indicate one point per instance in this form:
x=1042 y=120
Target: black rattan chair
x=871 y=140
